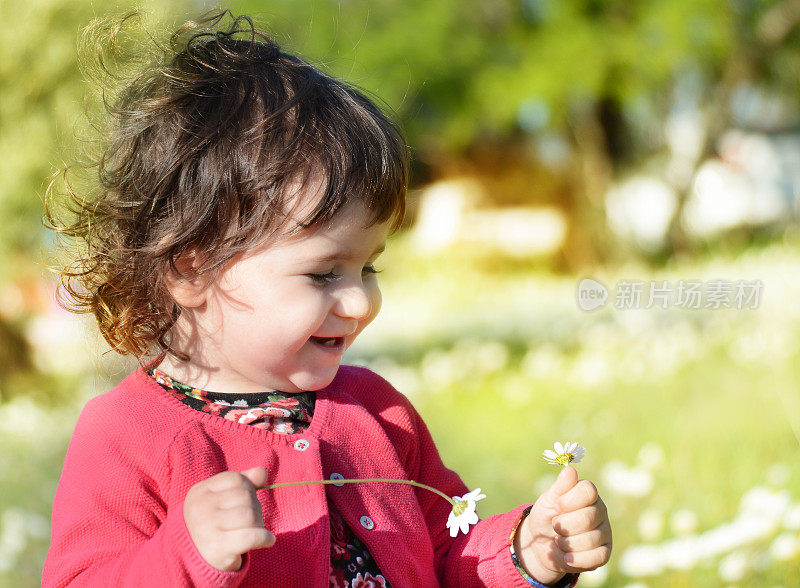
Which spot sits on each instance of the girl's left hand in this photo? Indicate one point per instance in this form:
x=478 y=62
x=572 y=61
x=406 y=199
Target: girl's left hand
x=566 y=531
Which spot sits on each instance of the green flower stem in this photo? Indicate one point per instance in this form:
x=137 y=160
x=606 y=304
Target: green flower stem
x=357 y=480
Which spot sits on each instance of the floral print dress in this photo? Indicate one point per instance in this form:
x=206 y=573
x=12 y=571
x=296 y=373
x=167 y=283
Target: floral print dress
x=352 y=566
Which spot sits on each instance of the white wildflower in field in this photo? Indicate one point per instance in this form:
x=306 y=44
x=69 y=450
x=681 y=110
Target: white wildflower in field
x=784 y=547
x=733 y=567
x=750 y=527
x=13 y=539
x=642 y=560
x=596 y=577
x=650 y=457
x=683 y=522
x=651 y=524
x=682 y=553
x=791 y=520
x=625 y=481
x=543 y=362
x=767 y=503
x=439 y=369
x=492 y=356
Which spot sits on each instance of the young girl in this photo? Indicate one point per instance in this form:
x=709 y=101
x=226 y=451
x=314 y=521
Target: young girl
x=243 y=199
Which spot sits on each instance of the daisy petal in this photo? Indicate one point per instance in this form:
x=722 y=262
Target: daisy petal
x=472 y=495
x=565 y=452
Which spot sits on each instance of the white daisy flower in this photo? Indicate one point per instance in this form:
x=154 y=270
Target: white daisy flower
x=564 y=454
x=463 y=514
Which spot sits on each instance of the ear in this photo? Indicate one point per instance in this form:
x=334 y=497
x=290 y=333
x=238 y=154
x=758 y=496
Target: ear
x=187 y=288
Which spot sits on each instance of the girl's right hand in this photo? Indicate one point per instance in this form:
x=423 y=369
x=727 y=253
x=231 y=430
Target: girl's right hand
x=224 y=519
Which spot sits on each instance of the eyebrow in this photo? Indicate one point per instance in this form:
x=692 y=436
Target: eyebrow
x=348 y=254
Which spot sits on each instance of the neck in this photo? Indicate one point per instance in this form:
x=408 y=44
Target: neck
x=212 y=379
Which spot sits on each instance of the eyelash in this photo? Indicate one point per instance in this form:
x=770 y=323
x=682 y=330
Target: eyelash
x=331 y=276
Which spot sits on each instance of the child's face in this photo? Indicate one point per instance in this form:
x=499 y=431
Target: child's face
x=281 y=316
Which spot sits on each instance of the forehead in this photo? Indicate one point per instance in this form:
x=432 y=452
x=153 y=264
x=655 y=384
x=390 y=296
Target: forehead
x=302 y=198
x=349 y=234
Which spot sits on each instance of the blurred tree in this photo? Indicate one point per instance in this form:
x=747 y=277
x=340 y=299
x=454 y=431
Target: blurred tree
x=40 y=95
x=15 y=356
x=585 y=82
x=41 y=104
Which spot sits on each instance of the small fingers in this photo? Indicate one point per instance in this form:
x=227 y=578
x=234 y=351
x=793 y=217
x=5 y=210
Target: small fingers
x=236 y=497
x=584 y=561
x=585 y=541
x=243 y=540
x=583 y=494
x=257 y=477
x=566 y=480
x=240 y=517
x=229 y=481
x=582 y=520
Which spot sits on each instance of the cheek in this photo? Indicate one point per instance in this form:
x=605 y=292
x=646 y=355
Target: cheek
x=376 y=299
x=298 y=310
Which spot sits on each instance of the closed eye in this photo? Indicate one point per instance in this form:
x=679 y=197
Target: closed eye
x=324 y=278
x=332 y=276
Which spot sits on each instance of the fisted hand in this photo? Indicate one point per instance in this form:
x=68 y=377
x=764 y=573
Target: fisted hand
x=224 y=518
x=566 y=531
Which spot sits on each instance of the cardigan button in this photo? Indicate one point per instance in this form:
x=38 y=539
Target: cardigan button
x=301 y=444
x=337 y=477
x=367 y=523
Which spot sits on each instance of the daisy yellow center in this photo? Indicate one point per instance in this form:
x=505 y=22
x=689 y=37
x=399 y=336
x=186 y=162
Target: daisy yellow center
x=565 y=458
x=459 y=507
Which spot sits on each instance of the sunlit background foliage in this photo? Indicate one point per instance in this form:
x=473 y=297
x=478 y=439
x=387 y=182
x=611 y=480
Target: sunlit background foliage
x=623 y=140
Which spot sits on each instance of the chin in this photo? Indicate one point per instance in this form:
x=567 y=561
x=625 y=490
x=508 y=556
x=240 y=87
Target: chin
x=314 y=382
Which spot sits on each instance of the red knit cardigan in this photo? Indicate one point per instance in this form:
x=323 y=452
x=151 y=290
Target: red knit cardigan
x=136 y=451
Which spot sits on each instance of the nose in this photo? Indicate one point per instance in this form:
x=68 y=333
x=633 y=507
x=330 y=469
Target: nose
x=358 y=301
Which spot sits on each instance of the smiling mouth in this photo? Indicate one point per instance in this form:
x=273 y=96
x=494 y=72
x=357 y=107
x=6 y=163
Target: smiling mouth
x=329 y=342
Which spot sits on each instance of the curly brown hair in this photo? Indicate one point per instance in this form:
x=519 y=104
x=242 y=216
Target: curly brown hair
x=203 y=149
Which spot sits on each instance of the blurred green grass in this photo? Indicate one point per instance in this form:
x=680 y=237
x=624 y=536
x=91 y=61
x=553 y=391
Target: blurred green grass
x=716 y=391
x=501 y=363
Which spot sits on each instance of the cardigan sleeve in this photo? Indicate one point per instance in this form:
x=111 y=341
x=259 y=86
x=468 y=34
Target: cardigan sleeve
x=480 y=558
x=110 y=522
